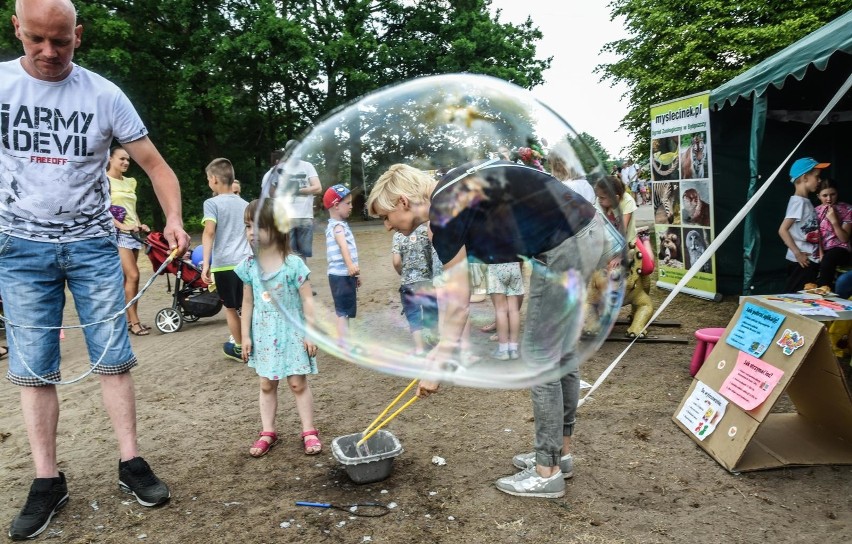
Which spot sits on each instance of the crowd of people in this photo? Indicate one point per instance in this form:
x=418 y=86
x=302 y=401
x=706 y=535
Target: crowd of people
x=429 y=256
x=86 y=228
x=635 y=181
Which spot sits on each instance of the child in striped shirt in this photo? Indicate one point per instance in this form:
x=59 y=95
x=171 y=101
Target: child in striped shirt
x=343 y=272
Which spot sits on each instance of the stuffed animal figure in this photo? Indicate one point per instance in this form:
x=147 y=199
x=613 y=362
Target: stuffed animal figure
x=636 y=293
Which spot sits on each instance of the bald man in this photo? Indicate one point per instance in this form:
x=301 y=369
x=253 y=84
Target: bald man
x=57 y=122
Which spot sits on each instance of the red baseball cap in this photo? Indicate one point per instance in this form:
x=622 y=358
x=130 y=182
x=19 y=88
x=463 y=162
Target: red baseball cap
x=334 y=194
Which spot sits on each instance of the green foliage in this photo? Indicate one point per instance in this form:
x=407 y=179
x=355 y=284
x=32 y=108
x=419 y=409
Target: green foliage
x=679 y=48
x=596 y=146
x=591 y=154
x=237 y=78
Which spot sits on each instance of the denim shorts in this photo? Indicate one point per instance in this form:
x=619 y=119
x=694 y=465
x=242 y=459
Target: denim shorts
x=344 y=291
x=419 y=305
x=127 y=241
x=33 y=278
x=302 y=237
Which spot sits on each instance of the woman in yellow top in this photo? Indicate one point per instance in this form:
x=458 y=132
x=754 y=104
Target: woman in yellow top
x=122 y=192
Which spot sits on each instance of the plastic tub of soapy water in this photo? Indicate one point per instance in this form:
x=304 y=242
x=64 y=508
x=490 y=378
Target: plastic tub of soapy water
x=370 y=462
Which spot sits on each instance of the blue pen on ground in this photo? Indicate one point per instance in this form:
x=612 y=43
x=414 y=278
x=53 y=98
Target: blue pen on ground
x=361 y=509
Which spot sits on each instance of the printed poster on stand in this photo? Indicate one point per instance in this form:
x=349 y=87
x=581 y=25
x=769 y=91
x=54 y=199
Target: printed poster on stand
x=682 y=192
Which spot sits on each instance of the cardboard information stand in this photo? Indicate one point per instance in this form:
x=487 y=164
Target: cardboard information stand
x=729 y=410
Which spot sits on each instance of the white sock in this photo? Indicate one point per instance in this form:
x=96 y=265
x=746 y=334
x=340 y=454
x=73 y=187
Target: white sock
x=513 y=346
x=504 y=347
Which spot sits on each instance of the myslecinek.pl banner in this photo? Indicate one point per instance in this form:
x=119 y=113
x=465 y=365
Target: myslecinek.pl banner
x=682 y=189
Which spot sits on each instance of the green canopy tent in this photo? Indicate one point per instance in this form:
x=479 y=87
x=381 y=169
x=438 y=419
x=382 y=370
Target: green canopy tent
x=756 y=119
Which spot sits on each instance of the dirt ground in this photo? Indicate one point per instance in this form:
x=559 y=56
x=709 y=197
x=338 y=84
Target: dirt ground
x=638 y=478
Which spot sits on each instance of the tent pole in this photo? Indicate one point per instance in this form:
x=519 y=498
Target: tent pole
x=751 y=234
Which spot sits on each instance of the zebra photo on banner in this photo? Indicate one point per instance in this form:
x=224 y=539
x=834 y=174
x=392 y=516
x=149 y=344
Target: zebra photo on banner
x=666 y=198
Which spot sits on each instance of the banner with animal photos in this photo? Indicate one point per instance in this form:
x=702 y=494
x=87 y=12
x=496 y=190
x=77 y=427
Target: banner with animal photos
x=682 y=192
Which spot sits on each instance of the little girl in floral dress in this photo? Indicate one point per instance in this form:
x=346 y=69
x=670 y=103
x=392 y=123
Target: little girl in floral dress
x=277 y=290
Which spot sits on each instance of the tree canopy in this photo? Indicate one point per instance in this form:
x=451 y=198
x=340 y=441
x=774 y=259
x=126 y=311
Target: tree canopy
x=679 y=48
x=238 y=78
x=598 y=149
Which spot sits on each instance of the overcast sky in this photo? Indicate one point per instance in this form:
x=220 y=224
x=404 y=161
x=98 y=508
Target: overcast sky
x=574 y=34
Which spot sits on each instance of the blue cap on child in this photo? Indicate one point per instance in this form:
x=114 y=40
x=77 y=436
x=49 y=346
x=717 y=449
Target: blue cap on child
x=805 y=165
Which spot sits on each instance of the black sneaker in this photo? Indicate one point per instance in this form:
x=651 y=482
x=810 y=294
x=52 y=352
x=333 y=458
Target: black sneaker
x=47 y=496
x=233 y=351
x=136 y=478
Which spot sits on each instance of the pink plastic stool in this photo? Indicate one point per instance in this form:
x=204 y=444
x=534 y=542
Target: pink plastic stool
x=705 y=342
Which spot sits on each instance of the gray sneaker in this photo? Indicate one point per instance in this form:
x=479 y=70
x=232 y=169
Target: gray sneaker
x=527 y=483
x=500 y=355
x=527 y=460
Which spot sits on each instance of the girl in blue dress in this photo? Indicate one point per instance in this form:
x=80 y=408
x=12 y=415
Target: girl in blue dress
x=276 y=294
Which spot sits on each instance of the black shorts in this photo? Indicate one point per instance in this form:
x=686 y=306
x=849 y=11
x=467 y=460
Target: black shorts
x=230 y=288
x=797 y=276
x=343 y=291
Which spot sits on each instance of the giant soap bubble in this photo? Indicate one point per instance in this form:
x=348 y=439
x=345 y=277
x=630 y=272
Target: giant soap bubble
x=437 y=124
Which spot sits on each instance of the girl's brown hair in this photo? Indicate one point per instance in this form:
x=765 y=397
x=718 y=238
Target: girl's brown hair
x=827 y=183
x=611 y=185
x=263 y=217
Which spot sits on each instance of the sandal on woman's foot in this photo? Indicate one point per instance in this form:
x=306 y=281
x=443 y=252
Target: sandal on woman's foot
x=491 y=327
x=4 y=351
x=263 y=446
x=138 y=329
x=313 y=445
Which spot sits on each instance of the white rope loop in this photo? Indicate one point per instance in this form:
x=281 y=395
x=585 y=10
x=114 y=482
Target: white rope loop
x=11 y=326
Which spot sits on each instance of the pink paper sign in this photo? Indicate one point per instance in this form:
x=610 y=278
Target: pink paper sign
x=750 y=382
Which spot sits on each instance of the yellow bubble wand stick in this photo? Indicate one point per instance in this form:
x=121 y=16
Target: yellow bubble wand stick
x=372 y=428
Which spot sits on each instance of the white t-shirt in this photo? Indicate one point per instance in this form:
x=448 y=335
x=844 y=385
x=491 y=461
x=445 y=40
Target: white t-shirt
x=54 y=148
x=582 y=187
x=292 y=176
x=628 y=173
x=802 y=210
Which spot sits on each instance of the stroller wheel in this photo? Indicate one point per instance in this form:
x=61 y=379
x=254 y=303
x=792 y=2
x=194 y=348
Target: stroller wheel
x=190 y=318
x=168 y=320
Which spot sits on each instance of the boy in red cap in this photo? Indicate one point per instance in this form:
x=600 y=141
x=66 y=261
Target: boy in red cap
x=800 y=228
x=342 y=255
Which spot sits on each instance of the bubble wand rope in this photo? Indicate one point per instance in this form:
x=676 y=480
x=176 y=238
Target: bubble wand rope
x=726 y=232
x=371 y=430
x=10 y=329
